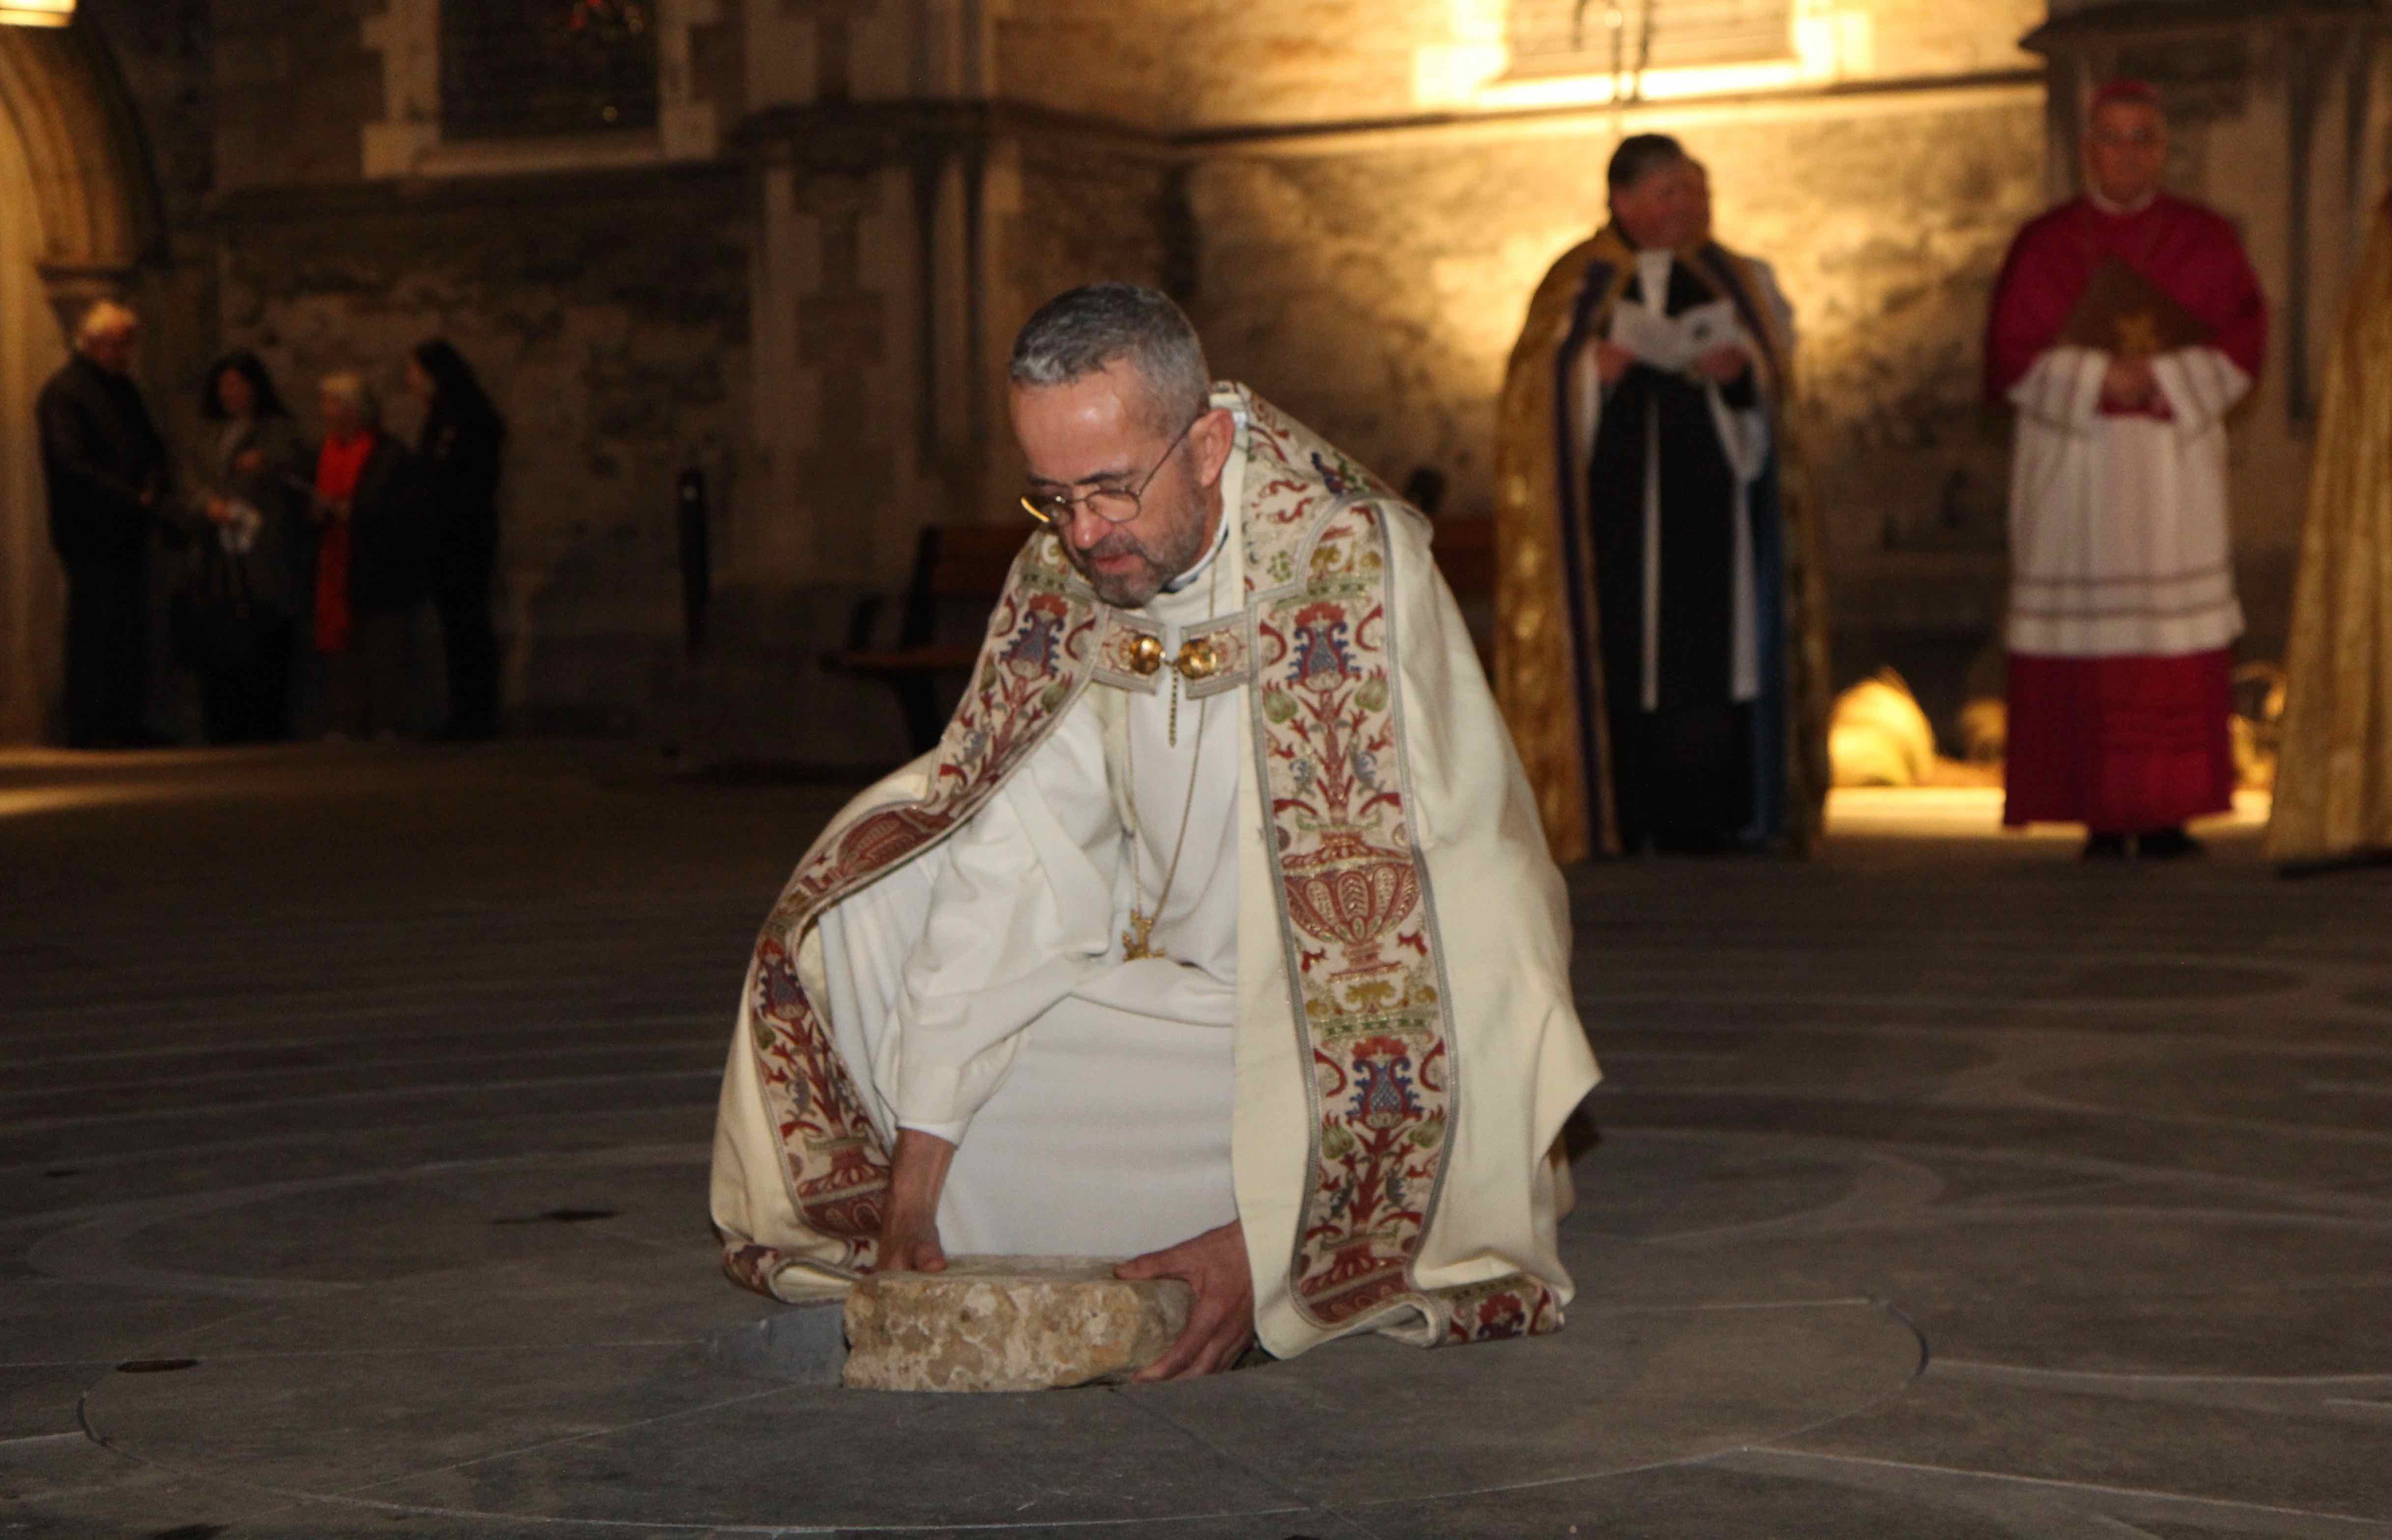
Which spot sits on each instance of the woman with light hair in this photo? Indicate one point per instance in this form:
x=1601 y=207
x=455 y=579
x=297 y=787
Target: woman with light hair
x=371 y=562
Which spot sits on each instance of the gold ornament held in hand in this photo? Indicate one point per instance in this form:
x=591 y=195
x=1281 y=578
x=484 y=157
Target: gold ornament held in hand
x=2138 y=336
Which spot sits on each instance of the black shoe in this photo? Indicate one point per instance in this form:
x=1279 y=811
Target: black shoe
x=2168 y=845
x=2104 y=847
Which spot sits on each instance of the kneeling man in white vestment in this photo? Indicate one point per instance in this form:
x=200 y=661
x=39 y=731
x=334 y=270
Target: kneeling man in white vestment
x=1218 y=932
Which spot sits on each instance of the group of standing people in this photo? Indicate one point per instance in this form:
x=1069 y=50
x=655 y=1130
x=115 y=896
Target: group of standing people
x=303 y=563
x=1663 y=656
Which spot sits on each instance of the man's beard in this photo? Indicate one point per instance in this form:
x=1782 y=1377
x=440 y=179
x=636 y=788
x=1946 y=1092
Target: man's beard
x=1182 y=543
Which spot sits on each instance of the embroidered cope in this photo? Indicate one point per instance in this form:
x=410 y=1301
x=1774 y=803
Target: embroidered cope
x=1358 y=1042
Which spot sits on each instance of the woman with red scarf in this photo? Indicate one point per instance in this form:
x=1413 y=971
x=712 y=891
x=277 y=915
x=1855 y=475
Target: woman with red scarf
x=371 y=563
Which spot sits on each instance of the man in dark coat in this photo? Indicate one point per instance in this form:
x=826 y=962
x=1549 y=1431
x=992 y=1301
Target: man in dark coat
x=1662 y=645
x=110 y=478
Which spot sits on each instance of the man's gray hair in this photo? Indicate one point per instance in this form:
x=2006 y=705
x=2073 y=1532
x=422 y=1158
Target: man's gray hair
x=350 y=387
x=105 y=318
x=1086 y=331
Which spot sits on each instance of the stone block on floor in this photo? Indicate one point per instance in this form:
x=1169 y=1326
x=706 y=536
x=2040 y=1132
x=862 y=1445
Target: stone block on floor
x=1007 y=1324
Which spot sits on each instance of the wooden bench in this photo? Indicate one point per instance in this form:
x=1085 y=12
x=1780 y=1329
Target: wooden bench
x=958 y=571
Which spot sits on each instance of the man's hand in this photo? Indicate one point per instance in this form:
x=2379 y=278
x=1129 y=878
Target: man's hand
x=909 y=1234
x=1612 y=361
x=2128 y=384
x=1725 y=365
x=909 y=1243
x=1222 y=1322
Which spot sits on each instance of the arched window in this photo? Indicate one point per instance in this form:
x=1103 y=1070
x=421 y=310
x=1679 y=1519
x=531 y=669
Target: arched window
x=515 y=68
x=1632 y=37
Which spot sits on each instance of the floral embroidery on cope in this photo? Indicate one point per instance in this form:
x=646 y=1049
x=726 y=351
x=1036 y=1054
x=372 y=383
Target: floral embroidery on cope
x=1364 y=960
x=1038 y=654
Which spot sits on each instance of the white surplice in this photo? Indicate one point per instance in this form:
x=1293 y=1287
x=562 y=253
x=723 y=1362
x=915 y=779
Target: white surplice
x=1089 y=1098
x=2119 y=540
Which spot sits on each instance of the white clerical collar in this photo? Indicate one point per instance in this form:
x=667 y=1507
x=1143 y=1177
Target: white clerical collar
x=1220 y=541
x=1652 y=269
x=2121 y=210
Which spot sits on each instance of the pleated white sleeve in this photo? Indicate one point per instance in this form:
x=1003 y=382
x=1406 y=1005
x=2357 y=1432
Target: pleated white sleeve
x=1021 y=915
x=2201 y=385
x=2063 y=388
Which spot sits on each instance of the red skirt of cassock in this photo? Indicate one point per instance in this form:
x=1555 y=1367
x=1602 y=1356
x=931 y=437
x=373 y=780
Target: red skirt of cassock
x=2120 y=744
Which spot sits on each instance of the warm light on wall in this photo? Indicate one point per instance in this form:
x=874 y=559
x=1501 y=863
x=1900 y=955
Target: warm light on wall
x=36 y=13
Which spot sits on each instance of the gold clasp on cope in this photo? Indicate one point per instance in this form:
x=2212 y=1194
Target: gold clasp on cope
x=1198 y=660
x=1146 y=654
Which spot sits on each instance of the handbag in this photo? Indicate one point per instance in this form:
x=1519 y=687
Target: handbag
x=213 y=615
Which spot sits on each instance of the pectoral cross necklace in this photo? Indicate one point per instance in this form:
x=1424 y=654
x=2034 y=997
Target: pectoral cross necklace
x=1137 y=942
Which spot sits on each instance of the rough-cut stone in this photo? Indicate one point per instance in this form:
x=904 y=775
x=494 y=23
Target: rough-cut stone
x=1007 y=1324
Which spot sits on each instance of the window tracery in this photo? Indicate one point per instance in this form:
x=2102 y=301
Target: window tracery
x=1630 y=37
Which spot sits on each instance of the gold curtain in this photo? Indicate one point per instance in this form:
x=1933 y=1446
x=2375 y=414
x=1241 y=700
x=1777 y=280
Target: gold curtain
x=2334 y=783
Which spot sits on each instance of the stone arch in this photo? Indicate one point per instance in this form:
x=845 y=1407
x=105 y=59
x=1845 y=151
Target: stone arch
x=78 y=214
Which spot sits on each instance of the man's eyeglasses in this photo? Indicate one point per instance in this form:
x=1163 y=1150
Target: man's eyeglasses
x=1115 y=505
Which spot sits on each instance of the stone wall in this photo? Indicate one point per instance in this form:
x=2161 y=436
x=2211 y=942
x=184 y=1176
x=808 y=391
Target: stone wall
x=161 y=50
x=1368 y=214
x=293 y=87
x=1909 y=39
x=1354 y=197
x=1377 y=291
x=160 y=55
x=1191 y=63
x=1225 y=64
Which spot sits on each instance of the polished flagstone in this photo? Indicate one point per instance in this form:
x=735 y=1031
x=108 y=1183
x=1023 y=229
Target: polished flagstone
x=353 y=1135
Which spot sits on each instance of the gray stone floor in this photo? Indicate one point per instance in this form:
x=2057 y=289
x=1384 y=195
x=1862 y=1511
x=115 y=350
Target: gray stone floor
x=355 y=1123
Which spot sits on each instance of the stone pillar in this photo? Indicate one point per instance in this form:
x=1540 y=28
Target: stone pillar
x=76 y=224
x=2280 y=113
x=871 y=148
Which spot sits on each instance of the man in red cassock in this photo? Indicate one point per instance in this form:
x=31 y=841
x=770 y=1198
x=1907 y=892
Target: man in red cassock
x=2125 y=325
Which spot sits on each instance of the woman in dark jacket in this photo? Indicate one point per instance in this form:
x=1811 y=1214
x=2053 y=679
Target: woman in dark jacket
x=244 y=586
x=461 y=446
